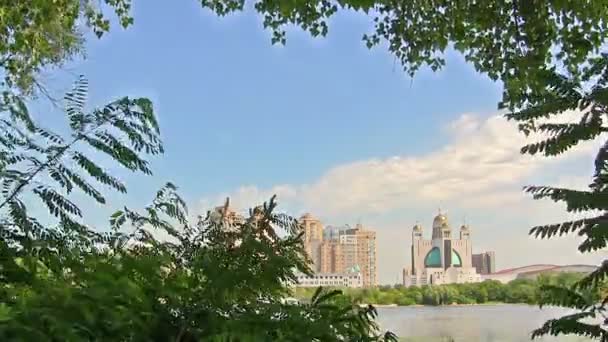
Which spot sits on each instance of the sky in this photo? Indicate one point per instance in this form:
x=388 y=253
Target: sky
x=329 y=126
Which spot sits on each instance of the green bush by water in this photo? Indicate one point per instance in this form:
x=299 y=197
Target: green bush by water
x=520 y=291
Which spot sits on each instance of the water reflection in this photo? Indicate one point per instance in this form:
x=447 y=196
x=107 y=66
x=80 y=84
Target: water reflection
x=487 y=323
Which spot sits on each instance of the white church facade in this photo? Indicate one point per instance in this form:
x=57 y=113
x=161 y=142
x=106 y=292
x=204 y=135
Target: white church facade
x=444 y=259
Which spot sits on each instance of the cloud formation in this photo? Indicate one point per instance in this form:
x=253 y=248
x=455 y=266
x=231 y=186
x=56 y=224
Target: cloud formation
x=480 y=173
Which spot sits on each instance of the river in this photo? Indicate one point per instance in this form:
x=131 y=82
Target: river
x=484 y=323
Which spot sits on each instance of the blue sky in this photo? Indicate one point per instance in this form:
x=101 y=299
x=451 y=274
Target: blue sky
x=230 y=102
x=335 y=128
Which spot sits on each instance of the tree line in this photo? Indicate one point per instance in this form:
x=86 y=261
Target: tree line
x=519 y=291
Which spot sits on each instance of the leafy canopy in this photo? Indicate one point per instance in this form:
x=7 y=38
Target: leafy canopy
x=213 y=282
x=515 y=41
x=588 y=102
x=35 y=34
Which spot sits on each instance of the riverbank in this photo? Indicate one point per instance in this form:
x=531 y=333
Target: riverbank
x=394 y=305
x=519 y=291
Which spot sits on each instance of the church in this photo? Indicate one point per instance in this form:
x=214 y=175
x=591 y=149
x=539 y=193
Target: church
x=444 y=259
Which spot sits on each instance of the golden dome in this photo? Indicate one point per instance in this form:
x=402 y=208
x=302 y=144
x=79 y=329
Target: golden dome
x=417 y=228
x=440 y=220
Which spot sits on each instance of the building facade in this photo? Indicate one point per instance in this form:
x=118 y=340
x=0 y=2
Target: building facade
x=484 y=263
x=443 y=259
x=338 y=250
x=330 y=280
x=332 y=257
x=361 y=245
x=332 y=233
x=313 y=240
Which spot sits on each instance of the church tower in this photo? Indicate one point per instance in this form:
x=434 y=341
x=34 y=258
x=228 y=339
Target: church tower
x=441 y=227
x=441 y=241
x=445 y=258
x=417 y=232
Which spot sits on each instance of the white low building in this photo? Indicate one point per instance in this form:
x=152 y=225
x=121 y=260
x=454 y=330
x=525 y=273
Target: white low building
x=439 y=276
x=330 y=280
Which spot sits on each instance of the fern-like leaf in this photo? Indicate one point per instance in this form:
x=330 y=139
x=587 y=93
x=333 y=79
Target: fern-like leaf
x=595 y=278
x=75 y=101
x=571 y=325
x=576 y=200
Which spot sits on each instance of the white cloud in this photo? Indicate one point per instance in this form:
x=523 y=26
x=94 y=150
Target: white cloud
x=479 y=173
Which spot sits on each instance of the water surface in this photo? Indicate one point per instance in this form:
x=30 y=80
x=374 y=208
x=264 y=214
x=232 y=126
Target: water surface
x=484 y=323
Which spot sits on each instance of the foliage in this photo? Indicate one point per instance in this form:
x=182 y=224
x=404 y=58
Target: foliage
x=520 y=291
x=210 y=283
x=585 y=99
x=152 y=275
x=49 y=167
x=517 y=42
x=35 y=34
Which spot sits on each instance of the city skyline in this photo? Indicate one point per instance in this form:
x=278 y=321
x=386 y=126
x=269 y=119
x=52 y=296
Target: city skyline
x=332 y=250
x=330 y=127
x=483 y=260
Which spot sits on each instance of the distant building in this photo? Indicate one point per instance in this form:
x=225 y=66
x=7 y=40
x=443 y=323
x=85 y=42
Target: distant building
x=332 y=258
x=533 y=271
x=332 y=233
x=313 y=239
x=484 y=263
x=313 y=228
x=358 y=248
x=354 y=280
x=442 y=260
x=229 y=217
x=348 y=242
x=337 y=250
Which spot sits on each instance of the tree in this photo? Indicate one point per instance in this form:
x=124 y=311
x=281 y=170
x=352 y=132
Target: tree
x=214 y=281
x=494 y=289
x=48 y=167
x=590 y=101
x=209 y=281
x=39 y=34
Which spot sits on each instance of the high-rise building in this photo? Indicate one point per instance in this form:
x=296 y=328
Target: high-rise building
x=359 y=252
x=484 y=263
x=332 y=233
x=313 y=239
x=313 y=229
x=332 y=258
x=340 y=250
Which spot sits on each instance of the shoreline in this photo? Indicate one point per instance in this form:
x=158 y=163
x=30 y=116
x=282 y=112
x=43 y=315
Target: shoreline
x=437 y=306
